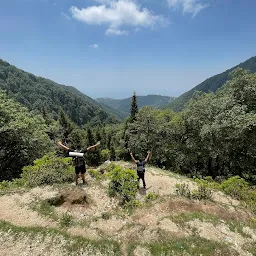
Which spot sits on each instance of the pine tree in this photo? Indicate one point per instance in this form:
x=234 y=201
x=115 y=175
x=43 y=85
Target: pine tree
x=109 y=140
x=112 y=153
x=94 y=157
x=90 y=137
x=134 y=107
x=103 y=138
x=98 y=136
x=66 y=126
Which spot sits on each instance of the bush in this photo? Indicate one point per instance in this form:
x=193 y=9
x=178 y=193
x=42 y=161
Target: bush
x=48 y=170
x=204 y=191
x=105 y=216
x=96 y=174
x=151 y=196
x=66 y=220
x=132 y=204
x=236 y=187
x=123 y=183
x=105 y=155
x=183 y=190
x=111 y=167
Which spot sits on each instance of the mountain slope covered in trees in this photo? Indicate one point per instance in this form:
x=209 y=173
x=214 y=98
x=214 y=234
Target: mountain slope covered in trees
x=44 y=95
x=123 y=105
x=211 y=84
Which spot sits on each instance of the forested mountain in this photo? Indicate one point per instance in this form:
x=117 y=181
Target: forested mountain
x=44 y=95
x=123 y=105
x=211 y=84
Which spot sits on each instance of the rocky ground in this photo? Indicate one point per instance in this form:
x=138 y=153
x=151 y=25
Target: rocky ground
x=84 y=220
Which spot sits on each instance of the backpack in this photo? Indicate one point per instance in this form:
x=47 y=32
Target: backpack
x=141 y=167
x=78 y=161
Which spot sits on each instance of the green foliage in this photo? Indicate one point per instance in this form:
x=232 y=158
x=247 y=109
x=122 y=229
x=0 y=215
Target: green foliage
x=45 y=209
x=123 y=183
x=132 y=204
x=48 y=170
x=93 y=156
x=23 y=137
x=44 y=95
x=96 y=174
x=238 y=188
x=204 y=191
x=105 y=155
x=183 y=190
x=66 y=220
x=105 y=216
x=112 y=153
x=235 y=187
x=134 y=108
x=151 y=196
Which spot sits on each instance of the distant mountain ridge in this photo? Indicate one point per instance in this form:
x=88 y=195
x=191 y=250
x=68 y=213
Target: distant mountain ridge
x=44 y=95
x=123 y=105
x=211 y=84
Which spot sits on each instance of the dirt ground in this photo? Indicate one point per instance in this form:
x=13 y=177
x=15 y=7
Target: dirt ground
x=97 y=216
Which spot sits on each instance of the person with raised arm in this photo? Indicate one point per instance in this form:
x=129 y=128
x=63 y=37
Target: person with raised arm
x=78 y=159
x=141 y=168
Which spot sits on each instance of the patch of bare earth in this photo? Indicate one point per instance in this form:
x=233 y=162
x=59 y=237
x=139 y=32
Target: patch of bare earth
x=14 y=208
x=164 y=183
x=23 y=245
x=221 y=233
x=97 y=202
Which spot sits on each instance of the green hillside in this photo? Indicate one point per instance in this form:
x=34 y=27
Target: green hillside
x=123 y=105
x=40 y=94
x=211 y=84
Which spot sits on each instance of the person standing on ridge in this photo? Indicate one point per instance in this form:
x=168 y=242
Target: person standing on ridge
x=141 y=168
x=78 y=161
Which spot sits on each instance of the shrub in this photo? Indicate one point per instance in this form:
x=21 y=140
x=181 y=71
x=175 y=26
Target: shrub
x=151 y=196
x=204 y=192
x=96 y=174
x=48 y=170
x=105 y=155
x=110 y=167
x=132 y=204
x=66 y=220
x=105 y=215
x=123 y=183
x=236 y=187
x=183 y=190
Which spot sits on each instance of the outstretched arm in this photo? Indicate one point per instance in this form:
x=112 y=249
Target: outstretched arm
x=94 y=146
x=61 y=145
x=133 y=158
x=147 y=156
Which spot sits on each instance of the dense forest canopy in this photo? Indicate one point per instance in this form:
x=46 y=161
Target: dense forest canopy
x=214 y=135
x=44 y=95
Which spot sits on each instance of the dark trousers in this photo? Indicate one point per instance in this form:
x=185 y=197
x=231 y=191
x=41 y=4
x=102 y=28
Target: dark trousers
x=141 y=176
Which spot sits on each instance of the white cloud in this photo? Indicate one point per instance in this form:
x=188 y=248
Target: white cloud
x=114 y=31
x=95 y=46
x=65 y=15
x=187 y=6
x=117 y=14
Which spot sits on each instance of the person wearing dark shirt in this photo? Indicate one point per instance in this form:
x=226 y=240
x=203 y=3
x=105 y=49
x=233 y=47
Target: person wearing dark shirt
x=141 y=168
x=78 y=162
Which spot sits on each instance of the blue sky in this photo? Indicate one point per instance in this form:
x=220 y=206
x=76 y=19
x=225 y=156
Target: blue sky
x=110 y=48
